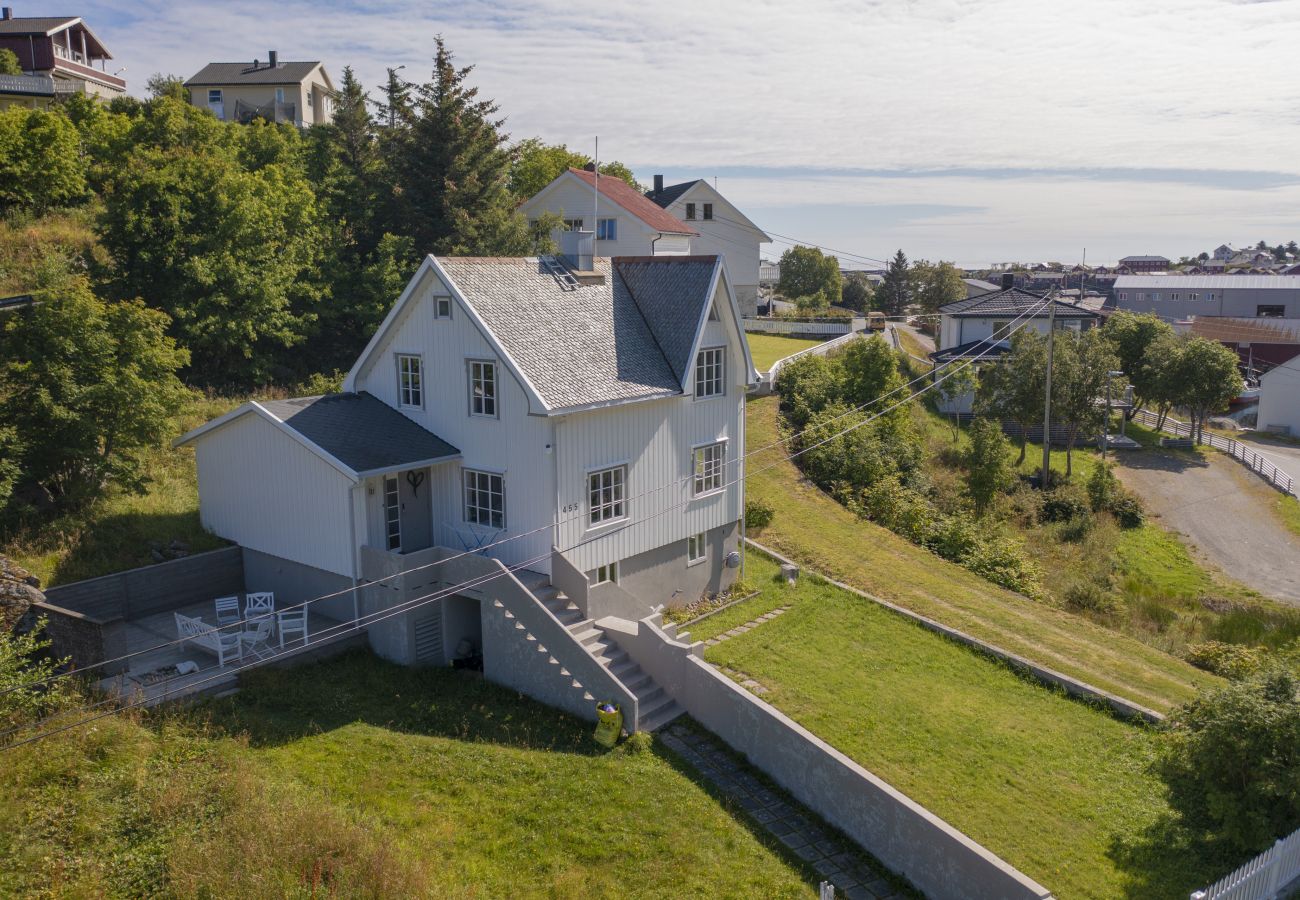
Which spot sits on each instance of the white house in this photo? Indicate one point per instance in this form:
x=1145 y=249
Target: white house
x=722 y=229
x=1279 y=399
x=626 y=222
x=579 y=422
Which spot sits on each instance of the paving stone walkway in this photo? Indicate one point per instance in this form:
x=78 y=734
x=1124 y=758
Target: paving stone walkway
x=741 y=629
x=835 y=859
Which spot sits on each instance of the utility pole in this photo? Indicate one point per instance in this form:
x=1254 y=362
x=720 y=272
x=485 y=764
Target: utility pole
x=1047 y=396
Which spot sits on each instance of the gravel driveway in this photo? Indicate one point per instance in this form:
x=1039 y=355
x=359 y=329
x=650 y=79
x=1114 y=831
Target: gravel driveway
x=1224 y=512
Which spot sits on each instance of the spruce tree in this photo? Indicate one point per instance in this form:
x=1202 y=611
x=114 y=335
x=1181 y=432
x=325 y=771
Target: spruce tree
x=896 y=288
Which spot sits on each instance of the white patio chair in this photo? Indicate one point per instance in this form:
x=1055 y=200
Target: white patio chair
x=293 y=621
x=260 y=605
x=227 y=611
x=200 y=634
x=256 y=635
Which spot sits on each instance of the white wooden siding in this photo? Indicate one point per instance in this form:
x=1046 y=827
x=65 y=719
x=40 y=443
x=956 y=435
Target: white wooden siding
x=264 y=490
x=513 y=444
x=725 y=235
x=572 y=199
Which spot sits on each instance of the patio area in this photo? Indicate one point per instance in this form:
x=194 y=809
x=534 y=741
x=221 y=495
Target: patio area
x=153 y=676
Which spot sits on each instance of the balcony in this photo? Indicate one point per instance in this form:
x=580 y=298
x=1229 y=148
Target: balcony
x=273 y=111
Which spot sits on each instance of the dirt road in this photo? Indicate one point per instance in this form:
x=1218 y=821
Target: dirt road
x=1224 y=512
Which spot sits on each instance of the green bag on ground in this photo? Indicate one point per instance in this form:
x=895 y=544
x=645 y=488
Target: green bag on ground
x=609 y=724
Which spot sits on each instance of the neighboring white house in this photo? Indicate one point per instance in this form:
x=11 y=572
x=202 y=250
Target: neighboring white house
x=722 y=229
x=1279 y=399
x=769 y=273
x=584 y=429
x=626 y=222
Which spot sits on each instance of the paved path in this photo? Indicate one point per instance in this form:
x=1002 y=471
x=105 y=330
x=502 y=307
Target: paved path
x=854 y=874
x=1224 y=511
x=1283 y=454
x=741 y=629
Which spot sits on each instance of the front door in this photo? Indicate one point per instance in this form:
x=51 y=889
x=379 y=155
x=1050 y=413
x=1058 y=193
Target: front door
x=414 y=487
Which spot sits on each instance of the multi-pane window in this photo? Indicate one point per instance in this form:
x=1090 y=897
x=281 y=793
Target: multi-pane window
x=410 y=381
x=708 y=466
x=605 y=574
x=696 y=551
x=392 y=513
x=708 y=211
x=1123 y=295
x=1154 y=296
x=1210 y=296
x=573 y=224
x=214 y=95
x=1193 y=296
x=485 y=499
x=1269 y=311
x=1173 y=296
x=442 y=307
x=607 y=495
x=482 y=388
x=607 y=229
x=709 y=372
x=690 y=211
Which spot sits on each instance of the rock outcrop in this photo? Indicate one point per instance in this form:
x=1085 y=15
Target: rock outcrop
x=19 y=589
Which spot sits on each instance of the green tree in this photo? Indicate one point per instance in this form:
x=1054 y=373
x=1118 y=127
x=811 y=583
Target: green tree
x=535 y=164
x=40 y=160
x=1230 y=760
x=936 y=284
x=1014 y=387
x=9 y=64
x=988 y=464
x=1207 y=378
x=160 y=85
x=806 y=272
x=89 y=386
x=1132 y=336
x=450 y=169
x=1079 y=379
x=855 y=293
x=895 y=291
x=951 y=384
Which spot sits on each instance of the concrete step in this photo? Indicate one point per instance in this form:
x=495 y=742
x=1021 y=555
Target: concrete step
x=638 y=682
x=624 y=667
x=653 y=696
x=588 y=636
x=660 y=716
x=580 y=627
x=613 y=660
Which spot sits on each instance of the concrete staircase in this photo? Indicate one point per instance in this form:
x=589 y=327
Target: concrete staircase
x=656 y=708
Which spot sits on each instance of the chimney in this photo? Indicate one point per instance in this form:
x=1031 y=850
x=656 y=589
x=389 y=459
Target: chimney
x=1008 y=280
x=272 y=58
x=579 y=249
x=6 y=13
x=659 y=183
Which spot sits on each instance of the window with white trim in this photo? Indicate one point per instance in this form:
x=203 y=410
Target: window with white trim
x=607 y=495
x=1193 y=296
x=573 y=224
x=442 y=307
x=1123 y=295
x=392 y=513
x=279 y=95
x=607 y=229
x=708 y=211
x=696 y=550
x=1210 y=296
x=707 y=467
x=485 y=499
x=410 y=380
x=690 y=211
x=1155 y=296
x=709 y=372
x=482 y=388
x=214 y=95
x=605 y=574
x=1173 y=296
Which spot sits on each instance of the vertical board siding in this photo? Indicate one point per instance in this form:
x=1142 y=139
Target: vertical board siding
x=573 y=200
x=263 y=490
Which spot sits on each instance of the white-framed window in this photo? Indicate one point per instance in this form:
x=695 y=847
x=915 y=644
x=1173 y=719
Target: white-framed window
x=485 y=499
x=392 y=513
x=710 y=373
x=573 y=224
x=607 y=229
x=713 y=312
x=690 y=211
x=214 y=96
x=309 y=99
x=442 y=307
x=708 y=463
x=696 y=550
x=605 y=574
x=410 y=380
x=708 y=211
x=482 y=388
x=279 y=95
x=1210 y=296
x=1155 y=296
x=607 y=495
x=1123 y=295
x=1193 y=296
x=1173 y=296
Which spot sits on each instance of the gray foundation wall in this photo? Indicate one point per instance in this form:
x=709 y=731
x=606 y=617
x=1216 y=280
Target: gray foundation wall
x=151 y=589
x=661 y=577
x=295 y=583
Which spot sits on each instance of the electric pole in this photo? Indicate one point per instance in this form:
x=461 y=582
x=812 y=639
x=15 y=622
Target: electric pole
x=1047 y=395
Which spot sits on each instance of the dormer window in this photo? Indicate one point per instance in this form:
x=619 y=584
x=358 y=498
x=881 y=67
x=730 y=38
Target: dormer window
x=690 y=211
x=709 y=372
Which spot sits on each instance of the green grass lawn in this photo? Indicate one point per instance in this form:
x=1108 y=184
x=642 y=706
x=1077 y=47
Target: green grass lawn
x=768 y=348
x=1056 y=787
x=815 y=530
x=355 y=777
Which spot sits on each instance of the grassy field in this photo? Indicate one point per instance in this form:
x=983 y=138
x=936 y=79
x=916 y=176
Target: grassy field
x=911 y=344
x=1288 y=510
x=768 y=348
x=817 y=531
x=1056 y=787
x=359 y=778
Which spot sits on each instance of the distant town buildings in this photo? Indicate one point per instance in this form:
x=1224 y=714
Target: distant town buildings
x=1137 y=264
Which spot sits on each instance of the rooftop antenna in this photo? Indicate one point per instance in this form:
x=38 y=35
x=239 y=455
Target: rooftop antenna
x=595 y=197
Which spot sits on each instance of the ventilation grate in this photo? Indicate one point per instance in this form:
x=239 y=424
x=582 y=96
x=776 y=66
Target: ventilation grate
x=428 y=640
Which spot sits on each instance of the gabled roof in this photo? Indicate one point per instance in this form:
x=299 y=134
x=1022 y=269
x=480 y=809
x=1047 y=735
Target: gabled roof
x=673 y=192
x=1013 y=302
x=620 y=192
x=983 y=349
x=1144 y=259
x=669 y=195
x=219 y=73
x=45 y=25
x=669 y=294
x=356 y=433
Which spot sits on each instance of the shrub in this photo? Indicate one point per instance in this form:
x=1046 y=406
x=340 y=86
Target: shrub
x=1063 y=504
x=1230 y=760
x=1025 y=505
x=988 y=463
x=1087 y=596
x=638 y=743
x=1232 y=661
x=1101 y=487
x=1127 y=510
x=24 y=660
x=1074 y=530
x=759 y=514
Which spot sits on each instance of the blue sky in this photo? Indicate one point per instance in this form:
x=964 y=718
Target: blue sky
x=972 y=130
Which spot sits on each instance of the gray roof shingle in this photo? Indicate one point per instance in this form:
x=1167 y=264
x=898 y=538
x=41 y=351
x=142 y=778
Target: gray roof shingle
x=669 y=194
x=1013 y=302
x=360 y=431
x=244 y=73
x=35 y=24
x=625 y=339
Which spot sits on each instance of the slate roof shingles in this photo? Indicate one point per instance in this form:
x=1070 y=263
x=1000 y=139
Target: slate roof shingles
x=669 y=195
x=244 y=73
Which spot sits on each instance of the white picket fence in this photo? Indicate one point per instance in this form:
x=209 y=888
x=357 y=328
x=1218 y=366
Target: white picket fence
x=792 y=326
x=1256 y=462
x=769 y=378
x=1261 y=878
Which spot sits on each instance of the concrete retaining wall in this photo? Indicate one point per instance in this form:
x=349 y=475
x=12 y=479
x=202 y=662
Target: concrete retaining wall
x=939 y=860
x=150 y=589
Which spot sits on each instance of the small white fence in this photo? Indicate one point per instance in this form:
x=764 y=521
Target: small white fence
x=769 y=377
x=811 y=326
x=1248 y=457
x=1261 y=878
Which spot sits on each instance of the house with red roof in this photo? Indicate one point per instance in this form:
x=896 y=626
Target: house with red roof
x=626 y=222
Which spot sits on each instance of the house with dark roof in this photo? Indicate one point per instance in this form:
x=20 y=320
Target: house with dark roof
x=63 y=52
x=556 y=443
x=722 y=230
x=273 y=89
x=1135 y=264
x=625 y=221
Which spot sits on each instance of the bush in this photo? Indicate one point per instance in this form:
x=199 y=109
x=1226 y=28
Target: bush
x=758 y=514
x=1230 y=760
x=24 y=660
x=1063 y=504
x=1101 y=487
x=1232 y=661
x=1089 y=597
x=1127 y=510
x=1073 y=531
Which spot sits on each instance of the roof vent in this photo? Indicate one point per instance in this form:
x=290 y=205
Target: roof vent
x=579 y=250
x=1008 y=280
